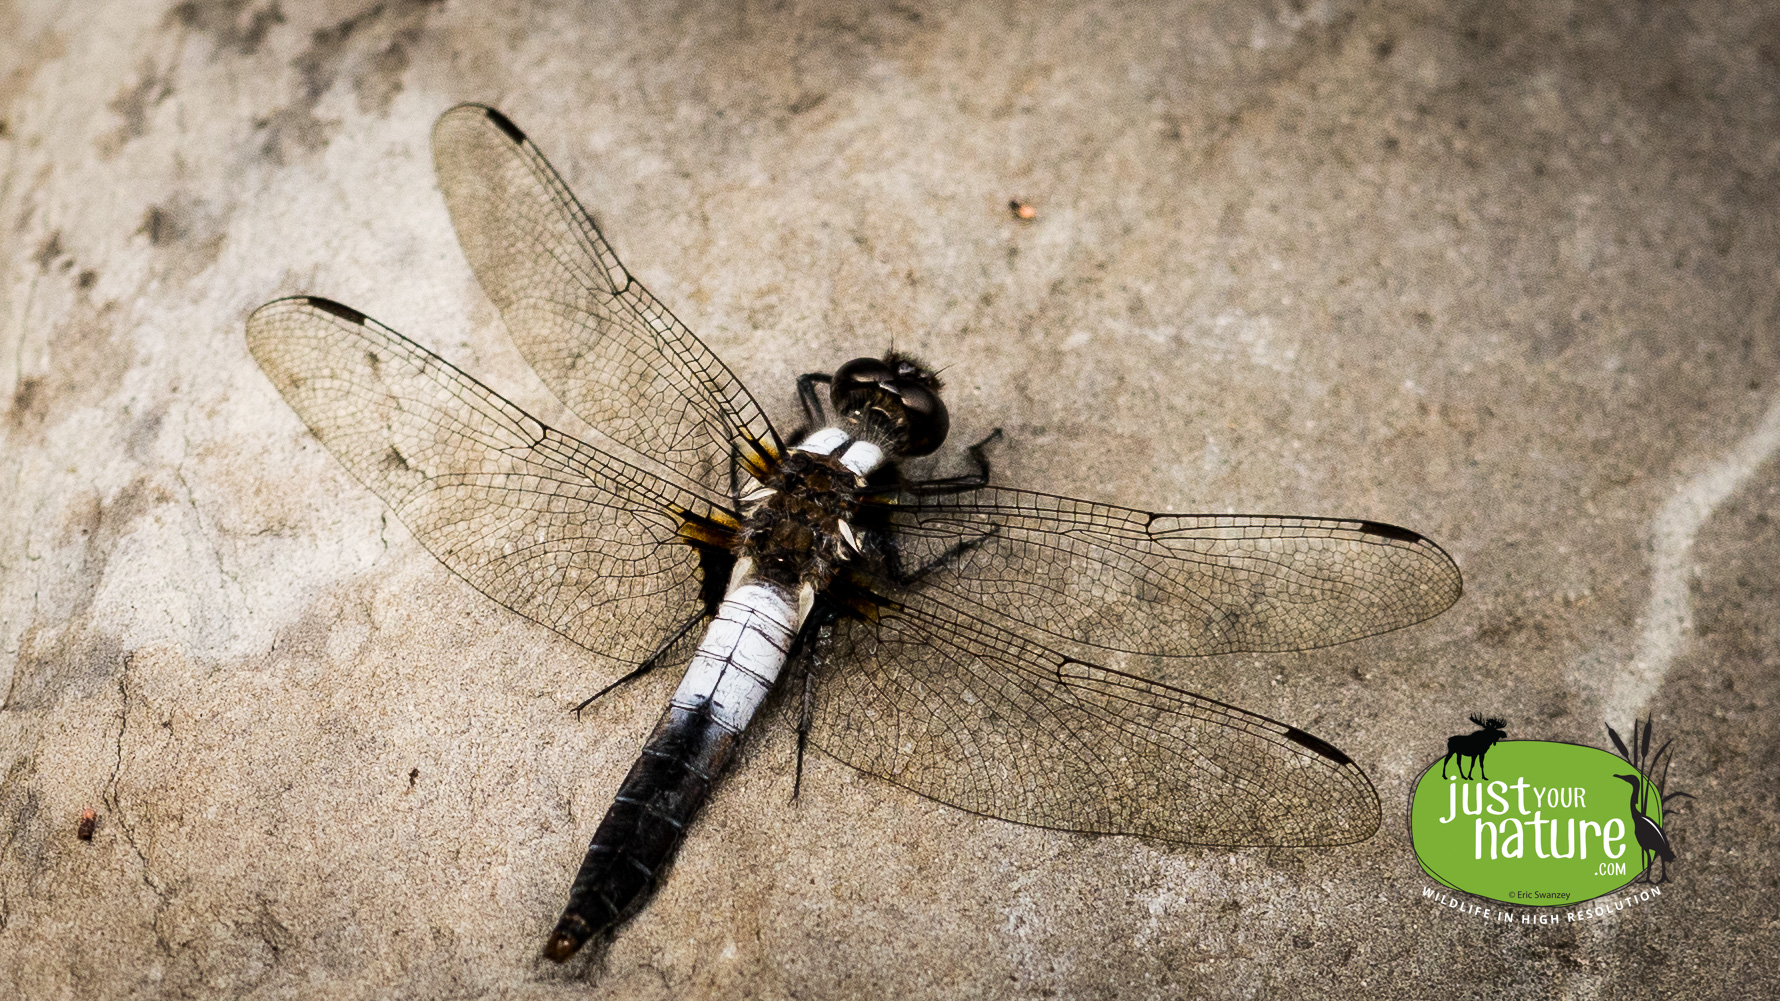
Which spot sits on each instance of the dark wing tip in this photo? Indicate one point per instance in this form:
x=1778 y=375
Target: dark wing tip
x=505 y=124
x=1385 y=531
x=1428 y=548
x=1318 y=744
x=341 y=310
x=470 y=109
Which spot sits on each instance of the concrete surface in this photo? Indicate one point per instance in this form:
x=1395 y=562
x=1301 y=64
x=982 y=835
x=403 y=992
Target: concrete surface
x=1502 y=272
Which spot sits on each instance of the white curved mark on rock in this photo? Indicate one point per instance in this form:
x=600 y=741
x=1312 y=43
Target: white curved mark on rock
x=1667 y=619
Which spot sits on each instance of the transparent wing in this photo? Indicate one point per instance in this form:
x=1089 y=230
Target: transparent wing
x=1112 y=578
x=963 y=712
x=599 y=340
x=554 y=529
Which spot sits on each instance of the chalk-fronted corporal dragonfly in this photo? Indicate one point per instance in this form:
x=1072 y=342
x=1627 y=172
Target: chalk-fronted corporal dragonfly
x=945 y=635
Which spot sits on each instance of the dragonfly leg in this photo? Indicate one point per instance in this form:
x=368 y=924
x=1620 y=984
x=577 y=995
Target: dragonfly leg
x=816 y=634
x=653 y=661
x=813 y=410
x=803 y=732
x=815 y=415
x=961 y=484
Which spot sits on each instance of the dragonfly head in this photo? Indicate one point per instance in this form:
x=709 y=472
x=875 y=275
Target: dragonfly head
x=893 y=397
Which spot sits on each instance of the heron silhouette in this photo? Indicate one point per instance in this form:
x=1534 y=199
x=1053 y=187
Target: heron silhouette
x=1650 y=835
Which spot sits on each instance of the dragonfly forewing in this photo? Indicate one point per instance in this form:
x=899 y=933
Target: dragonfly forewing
x=597 y=338
x=553 y=528
x=1098 y=577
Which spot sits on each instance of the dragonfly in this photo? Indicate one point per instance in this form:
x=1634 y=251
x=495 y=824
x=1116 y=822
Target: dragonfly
x=946 y=635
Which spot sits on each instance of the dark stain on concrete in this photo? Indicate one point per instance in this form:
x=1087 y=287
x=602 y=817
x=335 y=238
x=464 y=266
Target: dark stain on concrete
x=160 y=225
x=24 y=400
x=290 y=132
x=86 y=364
x=237 y=26
x=379 y=82
x=371 y=49
x=781 y=65
x=142 y=432
x=319 y=64
x=133 y=104
x=22 y=823
x=305 y=641
x=62 y=655
x=50 y=254
x=188 y=230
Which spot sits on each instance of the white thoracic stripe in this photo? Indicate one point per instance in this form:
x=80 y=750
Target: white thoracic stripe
x=824 y=441
x=742 y=574
x=741 y=654
x=862 y=458
x=859 y=456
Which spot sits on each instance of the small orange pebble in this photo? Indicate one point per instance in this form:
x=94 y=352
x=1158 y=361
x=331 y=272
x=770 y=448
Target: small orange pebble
x=88 y=820
x=1021 y=210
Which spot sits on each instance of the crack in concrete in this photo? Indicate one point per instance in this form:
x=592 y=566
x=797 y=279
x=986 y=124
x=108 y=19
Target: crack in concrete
x=114 y=802
x=191 y=500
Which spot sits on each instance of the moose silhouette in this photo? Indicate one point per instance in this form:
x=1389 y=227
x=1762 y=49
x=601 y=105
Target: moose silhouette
x=1473 y=746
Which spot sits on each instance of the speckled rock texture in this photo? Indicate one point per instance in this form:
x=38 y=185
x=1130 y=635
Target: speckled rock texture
x=1505 y=273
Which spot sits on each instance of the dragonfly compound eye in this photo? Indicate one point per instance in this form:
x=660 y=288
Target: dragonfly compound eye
x=856 y=378
x=928 y=421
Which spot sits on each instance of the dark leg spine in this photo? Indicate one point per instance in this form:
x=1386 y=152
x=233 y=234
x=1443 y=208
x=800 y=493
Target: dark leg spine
x=641 y=832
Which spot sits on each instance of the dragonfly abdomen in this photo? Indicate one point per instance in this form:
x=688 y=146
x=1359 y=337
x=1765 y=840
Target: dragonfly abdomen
x=736 y=664
x=741 y=655
x=642 y=829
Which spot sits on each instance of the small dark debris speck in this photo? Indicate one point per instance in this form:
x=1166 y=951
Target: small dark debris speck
x=159 y=226
x=88 y=821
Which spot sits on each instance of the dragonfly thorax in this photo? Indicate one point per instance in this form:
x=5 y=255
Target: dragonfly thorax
x=795 y=534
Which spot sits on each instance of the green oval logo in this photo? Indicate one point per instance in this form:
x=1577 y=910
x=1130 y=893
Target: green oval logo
x=1550 y=825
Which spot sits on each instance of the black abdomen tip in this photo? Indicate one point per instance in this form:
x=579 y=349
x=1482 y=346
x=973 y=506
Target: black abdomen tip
x=344 y=312
x=567 y=939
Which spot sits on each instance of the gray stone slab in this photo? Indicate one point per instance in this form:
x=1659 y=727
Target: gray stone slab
x=1503 y=273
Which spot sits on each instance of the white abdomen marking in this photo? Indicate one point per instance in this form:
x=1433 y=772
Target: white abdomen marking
x=741 y=655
